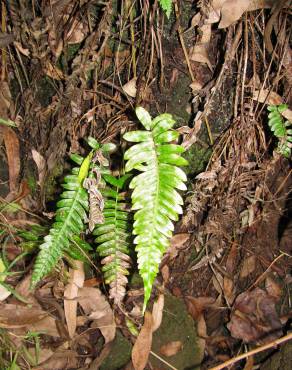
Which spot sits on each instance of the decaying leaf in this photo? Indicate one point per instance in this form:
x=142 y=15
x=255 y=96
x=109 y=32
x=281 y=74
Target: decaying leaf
x=97 y=308
x=130 y=87
x=249 y=265
x=171 y=348
x=41 y=165
x=157 y=312
x=76 y=281
x=231 y=11
x=142 y=346
x=199 y=52
x=254 y=317
x=273 y=288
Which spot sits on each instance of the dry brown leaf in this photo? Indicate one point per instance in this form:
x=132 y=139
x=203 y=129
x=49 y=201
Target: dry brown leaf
x=249 y=365
x=157 y=312
x=196 y=306
x=171 y=348
x=76 y=281
x=41 y=166
x=271 y=98
x=231 y=259
x=273 y=288
x=142 y=346
x=29 y=318
x=52 y=71
x=130 y=87
x=177 y=242
x=231 y=11
x=77 y=32
x=229 y=289
x=254 y=317
x=97 y=308
x=12 y=151
x=60 y=360
x=14 y=316
x=199 y=52
x=249 y=265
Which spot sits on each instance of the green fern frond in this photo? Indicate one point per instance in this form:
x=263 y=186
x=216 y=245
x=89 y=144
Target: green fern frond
x=113 y=238
x=155 y=198
x=166 y=5
x=69 y=221
x=281 y=129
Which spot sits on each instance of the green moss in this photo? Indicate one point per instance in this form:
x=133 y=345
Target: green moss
x=50 y=184
x=177 y=325
x=120 y=353
x=198 y=158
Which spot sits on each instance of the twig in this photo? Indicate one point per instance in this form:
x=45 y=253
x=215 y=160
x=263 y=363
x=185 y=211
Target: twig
x=179 y=30
x=161 y=359
x=262 y=348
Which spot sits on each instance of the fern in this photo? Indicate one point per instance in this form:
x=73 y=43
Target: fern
x=113 y=238
x=69 y=218
x=166 y=5
x=282 y=130
x=154 y=197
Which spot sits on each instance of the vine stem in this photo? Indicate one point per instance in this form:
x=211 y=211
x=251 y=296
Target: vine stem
x=262 y=348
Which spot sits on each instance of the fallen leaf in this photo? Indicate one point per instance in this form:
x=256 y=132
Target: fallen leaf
x=157 y=312
x=142 y=346
x=97 y=308
x=273 y=288
x=177 y=242
x=231 y=11
x=76 y=281
x=130 y=87
x=229 y=289
x=232 y=259
x=199 y=52
x=254 y=317
x=61 y=359
x=171 y=348
x=41 y=166
x=196 y=306
x=249 y=265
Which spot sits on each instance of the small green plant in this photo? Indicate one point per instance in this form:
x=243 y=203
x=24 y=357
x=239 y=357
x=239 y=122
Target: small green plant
x=166 y=5
x=154 y=197
x=95 y=196
x=281 y=129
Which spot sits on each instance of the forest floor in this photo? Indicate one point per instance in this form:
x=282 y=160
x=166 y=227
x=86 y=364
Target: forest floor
x=74 y=69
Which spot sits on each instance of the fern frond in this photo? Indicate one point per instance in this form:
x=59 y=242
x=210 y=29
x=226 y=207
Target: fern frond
x=155 y=198
x=69 y=221
x=166 y=5
x=282 y=130
x=113 y=238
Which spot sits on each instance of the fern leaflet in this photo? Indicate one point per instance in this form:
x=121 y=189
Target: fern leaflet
x=113 y=238
x=166 y=5
x=154 y=198
x=69 y=221
x=282 y=130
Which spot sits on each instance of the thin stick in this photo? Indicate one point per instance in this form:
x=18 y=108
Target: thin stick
x=179 y=30
x=262 y=348
x=161 y=359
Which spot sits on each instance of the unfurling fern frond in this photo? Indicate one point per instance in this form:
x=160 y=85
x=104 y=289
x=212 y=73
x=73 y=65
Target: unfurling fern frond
x=69 y=221
x=282 y=130
x=113 y=238
x=154 y=197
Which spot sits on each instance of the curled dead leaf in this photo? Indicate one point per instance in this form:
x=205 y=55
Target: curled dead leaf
x=142 y=346
x=97 y=308
x=157 y=312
